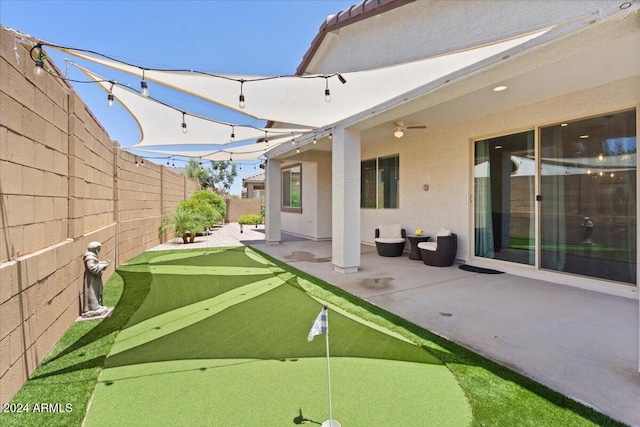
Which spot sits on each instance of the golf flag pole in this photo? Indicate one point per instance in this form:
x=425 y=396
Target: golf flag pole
x=321 y=326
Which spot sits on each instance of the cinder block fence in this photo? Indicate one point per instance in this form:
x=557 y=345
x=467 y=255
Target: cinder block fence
x=63 y=184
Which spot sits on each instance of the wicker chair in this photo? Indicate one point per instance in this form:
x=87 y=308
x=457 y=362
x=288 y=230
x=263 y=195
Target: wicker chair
x=391 y=241
x=441 y=253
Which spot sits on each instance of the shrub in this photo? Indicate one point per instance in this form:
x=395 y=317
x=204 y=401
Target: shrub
x=213 y=199
x=205 y=210
x=248 y=219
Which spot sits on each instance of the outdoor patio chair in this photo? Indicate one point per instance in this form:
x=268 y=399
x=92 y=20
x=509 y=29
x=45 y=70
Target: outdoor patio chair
x=442 y=252
x=390 y=239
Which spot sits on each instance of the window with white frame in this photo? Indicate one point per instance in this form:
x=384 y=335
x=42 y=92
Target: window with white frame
x=379 y=179
x=292 y=189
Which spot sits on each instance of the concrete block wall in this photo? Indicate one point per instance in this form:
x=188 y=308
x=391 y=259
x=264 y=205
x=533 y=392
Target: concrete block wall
x=238 y=207
x=63 y=184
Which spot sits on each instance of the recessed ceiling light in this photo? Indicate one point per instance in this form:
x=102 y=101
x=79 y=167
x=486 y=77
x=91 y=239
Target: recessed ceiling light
x=498 y=147
x=499 y=88
x=564 y=124
x=584 y=136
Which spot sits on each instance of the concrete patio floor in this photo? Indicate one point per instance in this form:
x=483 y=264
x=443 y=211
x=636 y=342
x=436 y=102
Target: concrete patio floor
x=583 y=344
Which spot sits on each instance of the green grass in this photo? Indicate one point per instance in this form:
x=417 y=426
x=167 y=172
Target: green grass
x=195 y=364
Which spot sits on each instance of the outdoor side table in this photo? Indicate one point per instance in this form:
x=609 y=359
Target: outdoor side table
x=413 y=241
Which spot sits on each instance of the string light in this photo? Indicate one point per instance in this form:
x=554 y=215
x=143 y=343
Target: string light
x=233 y=133
x=293 y=139
x=136 y=158
x=200 y=163
x=110 y=96
x=143 y=86
x=41 y=57
x=315 y=138
x=330 y=136
x=327 y=92
x=266 y=139
x=241 y=102
x=184 y=123
x=39 y=60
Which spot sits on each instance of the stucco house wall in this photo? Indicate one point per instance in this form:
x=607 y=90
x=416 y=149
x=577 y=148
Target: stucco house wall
x=315 y=220
x=427 y=28
x=441 y=158
x=441 y=155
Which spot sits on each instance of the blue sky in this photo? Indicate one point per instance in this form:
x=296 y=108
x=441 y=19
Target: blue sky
x=249 y=37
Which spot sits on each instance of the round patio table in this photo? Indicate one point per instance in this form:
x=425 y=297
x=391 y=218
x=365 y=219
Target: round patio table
x=413 y=241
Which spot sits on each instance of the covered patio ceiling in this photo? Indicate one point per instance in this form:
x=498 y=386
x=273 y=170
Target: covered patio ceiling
x=597 y=55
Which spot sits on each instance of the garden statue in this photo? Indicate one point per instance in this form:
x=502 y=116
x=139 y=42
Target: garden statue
x=93 y=281
x=588 y=231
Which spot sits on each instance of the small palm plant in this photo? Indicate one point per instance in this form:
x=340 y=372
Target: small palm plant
x=184 y=222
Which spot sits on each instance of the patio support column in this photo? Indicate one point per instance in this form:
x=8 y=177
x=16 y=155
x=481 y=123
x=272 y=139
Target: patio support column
x=272 y=217
x=345 y=160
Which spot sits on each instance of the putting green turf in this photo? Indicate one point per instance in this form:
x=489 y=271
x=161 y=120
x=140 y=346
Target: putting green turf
x=220 y=340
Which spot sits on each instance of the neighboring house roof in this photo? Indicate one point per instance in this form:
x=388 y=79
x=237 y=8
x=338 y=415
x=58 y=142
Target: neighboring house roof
x=363 y=10
x=259 y=177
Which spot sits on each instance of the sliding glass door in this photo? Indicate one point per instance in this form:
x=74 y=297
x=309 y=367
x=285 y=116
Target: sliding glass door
x=587 y=198
x=504 y=186
x=588 y=188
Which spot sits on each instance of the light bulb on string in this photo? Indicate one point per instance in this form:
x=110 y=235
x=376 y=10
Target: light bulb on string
x=330 y=136
x=315 y=138
x=184 y=123
x=143 y=86
x=136 y=161
x=266 y=139
x=241 y=102
x=327 y=92
x=110 y=96
x=233 y=133
x=38 y=70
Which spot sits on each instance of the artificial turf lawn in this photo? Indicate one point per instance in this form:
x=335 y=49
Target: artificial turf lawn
x=497 y=395
x=227 y=346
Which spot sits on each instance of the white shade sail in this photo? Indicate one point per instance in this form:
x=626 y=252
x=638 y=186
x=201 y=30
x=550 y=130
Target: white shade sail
x=162 y=125
x=300 y=100
x=245 y=152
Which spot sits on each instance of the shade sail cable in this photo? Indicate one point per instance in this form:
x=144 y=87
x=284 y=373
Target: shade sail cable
x=160 y=124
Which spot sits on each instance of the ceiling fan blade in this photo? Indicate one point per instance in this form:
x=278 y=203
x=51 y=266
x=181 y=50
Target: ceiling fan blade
x=416 y=127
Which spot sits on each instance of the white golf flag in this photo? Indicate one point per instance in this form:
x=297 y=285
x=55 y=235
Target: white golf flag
x=320 y=326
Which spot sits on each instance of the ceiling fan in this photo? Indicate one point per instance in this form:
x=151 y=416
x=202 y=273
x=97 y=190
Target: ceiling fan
x=401 y=127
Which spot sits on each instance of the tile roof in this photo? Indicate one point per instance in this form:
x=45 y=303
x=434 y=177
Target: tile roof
x=358 y=12
x=255 y=177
